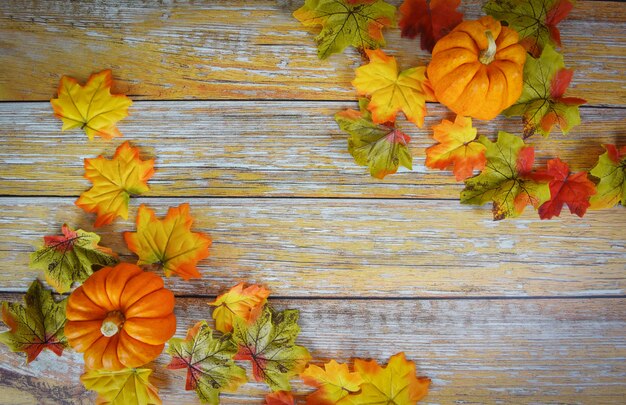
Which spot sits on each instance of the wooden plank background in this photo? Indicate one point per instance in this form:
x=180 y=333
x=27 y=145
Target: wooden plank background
x=232 y=101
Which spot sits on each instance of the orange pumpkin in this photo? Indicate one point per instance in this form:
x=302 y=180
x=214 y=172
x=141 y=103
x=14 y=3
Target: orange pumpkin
x=120 y=317
x=477 y=69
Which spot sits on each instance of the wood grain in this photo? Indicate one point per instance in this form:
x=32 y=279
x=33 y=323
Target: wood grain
x=242 y=50
x=352 y=248
x=251 y=149
x=475 y=351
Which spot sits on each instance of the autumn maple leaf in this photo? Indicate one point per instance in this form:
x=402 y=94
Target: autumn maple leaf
x=394 y=384
x=269 y=344
x=382 y=147
x=36 y=326
x=347 y=22
x=542 y=104
x=280 y=398
x=457 y=147
x=70 y=258
x=168 y=243
x=611 y=171
x=535 y=20
x=392 y=91
x=333 y=383
x=432 y=20
x=130 y=386
x=238 y=302
x=114 y=181
x=566 y=188
x=91 y=107
x=209 y=362
x=508 y=179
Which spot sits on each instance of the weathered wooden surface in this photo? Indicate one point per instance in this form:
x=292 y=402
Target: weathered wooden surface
x=358 y=247
x=226 y=148
x=241 y=50
x=518 y=311
x=475 y=351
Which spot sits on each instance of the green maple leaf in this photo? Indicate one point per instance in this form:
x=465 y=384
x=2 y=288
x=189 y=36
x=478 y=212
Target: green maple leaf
x=358 y=23
x=535 y=20
x=382 y=147
x=70 y=258
x=36 y=326
x=269 y=344
x=611 y=170
x=508 y=179
x=209 y=362
x=542 y=104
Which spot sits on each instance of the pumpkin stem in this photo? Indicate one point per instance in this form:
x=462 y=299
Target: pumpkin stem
x=488 y=55
x=112 y=323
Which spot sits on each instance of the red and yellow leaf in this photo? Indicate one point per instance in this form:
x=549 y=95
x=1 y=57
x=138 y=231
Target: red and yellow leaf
x=91 y=107
x=392 y=91
x=458 y=147
x=114 y=181
x=432 y=20
x=611 y=172
x=566 y=188
x=36 y=326
x=334 y=382
x=239 y=302
x=280 y=398
x=168 y=243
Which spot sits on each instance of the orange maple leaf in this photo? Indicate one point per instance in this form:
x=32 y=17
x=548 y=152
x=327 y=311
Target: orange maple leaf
x=245 y=303
x=113 y=183
x=458 y=147
x=392 y=91
x=168 y=243
x=394 y=384
x=280 y=398
x=333 y=383
x=91 y=107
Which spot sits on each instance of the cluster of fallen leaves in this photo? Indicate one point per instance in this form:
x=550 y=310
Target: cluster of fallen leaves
x=247 y=328
x=506 y=175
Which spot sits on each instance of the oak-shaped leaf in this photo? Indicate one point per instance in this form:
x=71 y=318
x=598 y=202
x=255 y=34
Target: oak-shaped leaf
x=168 y=243
x=280 y=398
x=91 y=107
x=71 y=257
x=347 y=22
x=130 y=386
x=611 y=172
x=270 y=345
x=114 y=181
x=239 y=302
x=209 y=362
x=508 y=179
x=382 y=147
x=566 y=188
x=542 y=104
x=535 y=20
x=396 y=383
x=390 y=90
x=36 y=326
x=432 y=20
x=333 y=382
x=457 y=148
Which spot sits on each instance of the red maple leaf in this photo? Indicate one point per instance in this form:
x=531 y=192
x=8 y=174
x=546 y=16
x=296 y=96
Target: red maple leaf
x=433 y=19
x=566 y=188
x=557 y=14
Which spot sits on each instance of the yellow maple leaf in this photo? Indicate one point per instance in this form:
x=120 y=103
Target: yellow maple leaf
x=91 y=107
x=125 y=387
x=392 y=91
x=394 y=384
x=168 y=243
x=245 y=303
x=113 y=183
x=333 y=382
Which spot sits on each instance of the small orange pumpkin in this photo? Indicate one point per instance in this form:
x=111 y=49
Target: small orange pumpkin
x=120 y=317
x=477 y=70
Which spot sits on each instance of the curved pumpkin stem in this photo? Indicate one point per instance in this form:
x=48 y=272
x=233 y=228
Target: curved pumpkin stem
x=488 y=55
x=112 y=323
